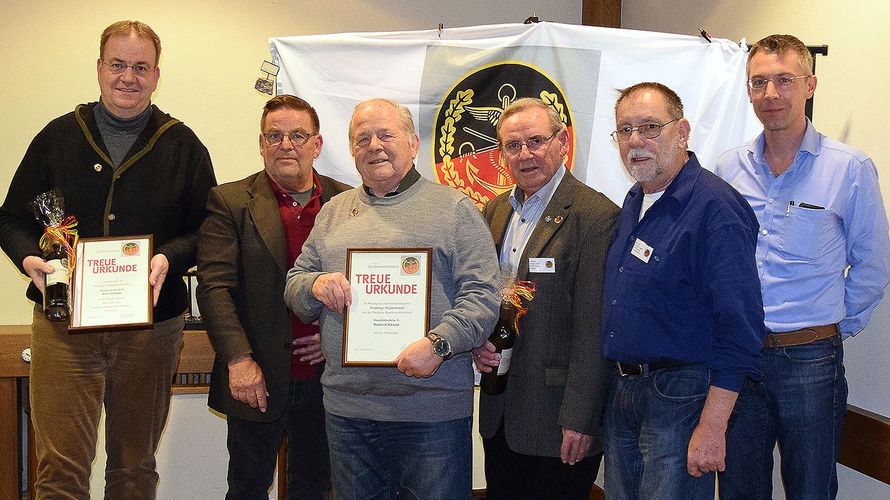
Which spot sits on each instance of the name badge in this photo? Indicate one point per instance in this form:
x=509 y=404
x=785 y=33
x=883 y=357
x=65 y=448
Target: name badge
x=542 y=265
x=641 y=250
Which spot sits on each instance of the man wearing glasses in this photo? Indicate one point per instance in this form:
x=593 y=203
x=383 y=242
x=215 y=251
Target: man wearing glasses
x=543 y=434
x=124 y=167
x=403 y=429
x=268 y=362
x=823 y=259
x=683 y=319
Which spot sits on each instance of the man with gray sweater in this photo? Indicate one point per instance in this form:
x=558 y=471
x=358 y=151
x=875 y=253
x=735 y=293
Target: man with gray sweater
x=406 y=428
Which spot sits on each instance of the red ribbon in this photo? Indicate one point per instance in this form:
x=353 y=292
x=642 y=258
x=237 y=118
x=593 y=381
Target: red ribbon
x=66 y=233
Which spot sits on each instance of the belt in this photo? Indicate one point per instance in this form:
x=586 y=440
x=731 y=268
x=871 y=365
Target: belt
x=628 y=369
x=799 y=337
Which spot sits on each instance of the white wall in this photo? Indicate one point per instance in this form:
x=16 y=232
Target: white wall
x=850 y=101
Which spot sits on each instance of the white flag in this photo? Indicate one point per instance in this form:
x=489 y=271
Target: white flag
x=457 y=84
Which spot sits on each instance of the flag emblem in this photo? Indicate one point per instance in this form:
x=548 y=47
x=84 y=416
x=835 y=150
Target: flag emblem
x=465 y=145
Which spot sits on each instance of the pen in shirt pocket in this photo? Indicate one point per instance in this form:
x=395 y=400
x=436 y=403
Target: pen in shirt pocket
x=810 y=206
x=802 y=204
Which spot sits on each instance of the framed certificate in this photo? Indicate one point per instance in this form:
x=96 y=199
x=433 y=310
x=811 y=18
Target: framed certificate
x=110 y=289
x=390 y=303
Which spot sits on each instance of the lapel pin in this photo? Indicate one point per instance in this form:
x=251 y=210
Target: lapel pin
x=97 y=167
x=557 y=219
x=547 y=218
x=354 y=212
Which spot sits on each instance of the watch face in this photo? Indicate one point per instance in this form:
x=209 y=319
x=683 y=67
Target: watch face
x=441 y=347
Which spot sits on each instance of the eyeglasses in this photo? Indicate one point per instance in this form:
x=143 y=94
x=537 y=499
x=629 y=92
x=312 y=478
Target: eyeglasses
x=647 y=130
x=782 y=81
x=117 y=67
x=533 y=144
x=296 y=138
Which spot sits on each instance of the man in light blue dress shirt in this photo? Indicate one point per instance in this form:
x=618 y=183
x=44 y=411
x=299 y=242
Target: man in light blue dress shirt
x=823 y=257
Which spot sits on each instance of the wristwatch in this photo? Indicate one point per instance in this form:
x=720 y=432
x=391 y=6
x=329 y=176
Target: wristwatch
x=440 y=346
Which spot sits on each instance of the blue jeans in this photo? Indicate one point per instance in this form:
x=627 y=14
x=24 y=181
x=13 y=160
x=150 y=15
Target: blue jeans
x=800 y=403
x=372 y=459
x=647 y=425
x=253 y=449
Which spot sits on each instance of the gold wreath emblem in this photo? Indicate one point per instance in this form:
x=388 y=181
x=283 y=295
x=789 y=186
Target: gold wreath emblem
x=446 y=147
x=453 y=114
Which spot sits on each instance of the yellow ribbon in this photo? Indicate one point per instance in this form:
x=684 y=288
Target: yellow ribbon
x=66 y=233
x=514 y=293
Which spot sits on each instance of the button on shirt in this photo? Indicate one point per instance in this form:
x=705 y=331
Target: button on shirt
x=822 y=214
x=526 y=215
x=697 y=299
x=297 y=221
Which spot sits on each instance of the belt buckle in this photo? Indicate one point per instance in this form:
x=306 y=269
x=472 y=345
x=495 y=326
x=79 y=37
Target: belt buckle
x=624 y=374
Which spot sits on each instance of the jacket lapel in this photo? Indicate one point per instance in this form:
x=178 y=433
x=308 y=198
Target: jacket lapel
x=263 y=209
x=552 y=219
x=499 y=220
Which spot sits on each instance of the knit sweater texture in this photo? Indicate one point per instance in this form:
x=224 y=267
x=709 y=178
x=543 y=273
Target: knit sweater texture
x=463 y=297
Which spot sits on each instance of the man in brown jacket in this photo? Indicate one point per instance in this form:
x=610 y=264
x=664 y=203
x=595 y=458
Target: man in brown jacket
x=266 y=374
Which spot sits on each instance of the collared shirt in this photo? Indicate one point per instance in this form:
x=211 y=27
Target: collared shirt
x=526 y=214
x=298 y=221
x=410 y=178
x=822 y=214
x=680 y=283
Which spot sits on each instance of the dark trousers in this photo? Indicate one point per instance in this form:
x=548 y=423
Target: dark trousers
x=514 y=476
x=253 y=449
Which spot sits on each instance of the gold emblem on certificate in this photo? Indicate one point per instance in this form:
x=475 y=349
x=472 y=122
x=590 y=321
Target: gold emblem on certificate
x=390 y=303
x=111 y=289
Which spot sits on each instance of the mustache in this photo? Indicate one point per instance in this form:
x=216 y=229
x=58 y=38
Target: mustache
x=637 y=154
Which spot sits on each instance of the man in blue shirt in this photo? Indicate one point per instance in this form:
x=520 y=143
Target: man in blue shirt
x=822 y=256
x=682 y=309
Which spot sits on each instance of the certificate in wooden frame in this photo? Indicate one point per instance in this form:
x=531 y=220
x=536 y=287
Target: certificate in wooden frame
x=390 y=303
x=110 y=289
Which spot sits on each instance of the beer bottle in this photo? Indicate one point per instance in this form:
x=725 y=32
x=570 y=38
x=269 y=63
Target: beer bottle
x=503 y=338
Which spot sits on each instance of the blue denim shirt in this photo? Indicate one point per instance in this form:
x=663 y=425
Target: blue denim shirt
x=695 y=298
x=822 y=214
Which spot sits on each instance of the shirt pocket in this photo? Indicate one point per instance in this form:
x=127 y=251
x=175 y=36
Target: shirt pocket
x=806 y=234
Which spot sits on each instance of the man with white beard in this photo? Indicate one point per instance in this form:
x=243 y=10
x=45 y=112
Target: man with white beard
x=681 y=308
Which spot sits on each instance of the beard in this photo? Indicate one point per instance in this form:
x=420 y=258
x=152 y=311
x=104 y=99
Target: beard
x=643 y=172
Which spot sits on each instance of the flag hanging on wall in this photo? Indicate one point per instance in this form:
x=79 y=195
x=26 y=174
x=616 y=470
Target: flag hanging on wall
x=457 y=82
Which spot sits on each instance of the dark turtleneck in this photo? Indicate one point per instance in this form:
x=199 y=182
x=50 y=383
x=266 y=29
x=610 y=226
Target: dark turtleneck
x=119 y=134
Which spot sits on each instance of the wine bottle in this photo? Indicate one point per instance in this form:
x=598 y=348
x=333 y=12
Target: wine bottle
x=503 y=338
x=56 y=293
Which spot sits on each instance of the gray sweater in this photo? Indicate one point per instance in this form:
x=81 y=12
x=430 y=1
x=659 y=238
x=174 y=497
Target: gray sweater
x=463 y=297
